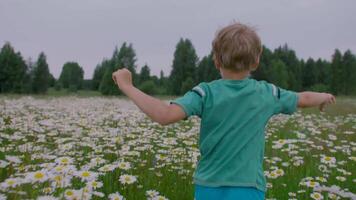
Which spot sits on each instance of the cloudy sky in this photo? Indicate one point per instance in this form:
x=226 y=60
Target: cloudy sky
x=86 y=31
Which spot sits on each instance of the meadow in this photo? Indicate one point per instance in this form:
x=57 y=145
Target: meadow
x=105 y=148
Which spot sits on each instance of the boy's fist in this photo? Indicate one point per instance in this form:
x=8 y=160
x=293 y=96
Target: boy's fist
x=122 y=78
x=327 y=99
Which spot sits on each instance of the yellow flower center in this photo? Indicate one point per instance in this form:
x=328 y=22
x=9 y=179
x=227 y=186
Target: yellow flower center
x=10 y=182
x=86 y=174
x=69 y=193
x=39 y=175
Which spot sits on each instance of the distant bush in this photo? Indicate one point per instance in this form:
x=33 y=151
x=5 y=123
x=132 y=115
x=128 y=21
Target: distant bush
x=148 y=87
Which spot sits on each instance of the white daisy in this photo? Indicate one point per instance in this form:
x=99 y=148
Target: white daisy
x=316 y=196
x=127 y=179
x=116 y=196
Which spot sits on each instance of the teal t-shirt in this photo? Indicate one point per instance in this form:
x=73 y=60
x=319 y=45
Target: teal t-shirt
x=233 y=115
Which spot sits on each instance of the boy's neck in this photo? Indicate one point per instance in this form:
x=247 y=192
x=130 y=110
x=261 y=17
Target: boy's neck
x=228 y=74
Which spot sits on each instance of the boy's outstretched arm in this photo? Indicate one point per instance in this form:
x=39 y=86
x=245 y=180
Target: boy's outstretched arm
x=312 y=99
x=156 y=109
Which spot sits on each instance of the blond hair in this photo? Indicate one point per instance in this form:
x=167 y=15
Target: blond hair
x=237 y=47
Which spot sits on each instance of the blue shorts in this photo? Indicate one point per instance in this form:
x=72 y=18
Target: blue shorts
x=228 y=193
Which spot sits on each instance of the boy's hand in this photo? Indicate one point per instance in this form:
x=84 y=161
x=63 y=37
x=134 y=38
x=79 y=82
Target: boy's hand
x=122 y=78
x=311 y=99
x=327 y=99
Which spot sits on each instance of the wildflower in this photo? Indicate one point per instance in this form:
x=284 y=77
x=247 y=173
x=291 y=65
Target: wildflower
x=127 y=179
x=124 y=165
x=312 y=184
x=106 y=168
x=86 y=175
x=328 y=160
x=47 y=198
x=159 y=198
x=116 y=196
x=152 y=193
x=3 y=164
x=39 y=176
x=341 y=178
x=10 y=183
x=333 y=196
x=64 y=160
x=95 y=184
x=316 y=196
x=13 y=159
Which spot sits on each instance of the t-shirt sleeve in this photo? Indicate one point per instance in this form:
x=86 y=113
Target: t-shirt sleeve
x=191 y=102
x=286 y=100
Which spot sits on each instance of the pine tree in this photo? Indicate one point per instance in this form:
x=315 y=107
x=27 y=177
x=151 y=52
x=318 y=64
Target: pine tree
x=261 y=72
x=278 y=73
x=336 y=73
x=349 y=73
x=184 y=66
x=288 y=56
x=12 y=70
x=144 y=74
x=41 y=75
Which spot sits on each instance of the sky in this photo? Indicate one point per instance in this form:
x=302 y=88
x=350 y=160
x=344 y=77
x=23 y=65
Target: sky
x=87 y=31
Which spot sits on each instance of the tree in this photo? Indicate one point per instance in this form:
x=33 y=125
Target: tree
x=288 y=56
x=12 y=70
x=99 y=73
x=144 y=74
x=261 y=73
x=71 y=76
x=278 y=73
x=184 y=66
x=126 y=57
x=310 y=73
x=349 y=73
x=41 y=75
x=336 y=73
x=206 y=70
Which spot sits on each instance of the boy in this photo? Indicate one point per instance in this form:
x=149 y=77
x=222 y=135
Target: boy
x=234 y=111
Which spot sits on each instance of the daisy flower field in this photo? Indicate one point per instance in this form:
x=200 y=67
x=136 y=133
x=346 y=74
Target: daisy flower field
x=105 y=148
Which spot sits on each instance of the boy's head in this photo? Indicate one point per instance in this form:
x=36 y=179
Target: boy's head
x=237 y=47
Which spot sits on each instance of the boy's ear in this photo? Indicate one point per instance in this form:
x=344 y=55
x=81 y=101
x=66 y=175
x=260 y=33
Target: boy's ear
x=255 y=66
x=217 y=64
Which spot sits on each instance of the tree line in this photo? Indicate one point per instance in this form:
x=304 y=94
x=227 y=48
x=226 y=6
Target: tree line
x=280 y=66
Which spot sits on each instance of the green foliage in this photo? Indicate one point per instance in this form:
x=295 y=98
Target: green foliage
x=126 y=57
x=206 y=71
x=319 y=88
x=184 y=66
x=144 y=74
x=148 y=87
x=71 y=76
x=12 y=70
x=41 y=75
x=288 y=57
x=279 y=74
x=99 y=73
x=188 y=84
